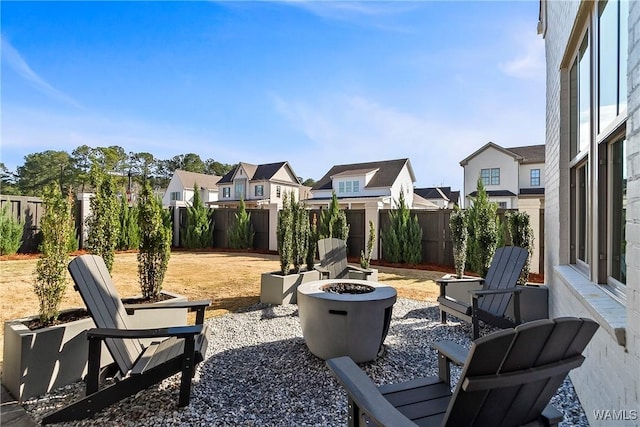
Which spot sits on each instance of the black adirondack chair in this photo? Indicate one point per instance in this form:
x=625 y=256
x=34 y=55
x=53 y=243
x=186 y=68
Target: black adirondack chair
x=507 y=379
x=178 y=349
x=333 y=259
x=488 y=304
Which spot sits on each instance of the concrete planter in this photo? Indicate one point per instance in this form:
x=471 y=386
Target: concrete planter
x=278 y=289
x=358 y=275
x=36 y=362
x=460 y=290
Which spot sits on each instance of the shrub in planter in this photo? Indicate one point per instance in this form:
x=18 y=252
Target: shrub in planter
x=521 y=235
x=285 y=236
x=301 y=232
x=155 y=243
x=365 y=257
x=10 y=232
x=459 y=234
x=483 y=233
x=104 y=222
x=56 y=226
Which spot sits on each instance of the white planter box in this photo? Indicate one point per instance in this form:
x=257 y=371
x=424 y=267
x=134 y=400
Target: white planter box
x=358 y=275
x=278 y=289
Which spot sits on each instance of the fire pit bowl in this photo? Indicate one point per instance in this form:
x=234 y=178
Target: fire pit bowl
x=345 y=317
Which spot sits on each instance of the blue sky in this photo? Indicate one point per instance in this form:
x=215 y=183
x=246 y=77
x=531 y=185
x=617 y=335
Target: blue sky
x=312 y=83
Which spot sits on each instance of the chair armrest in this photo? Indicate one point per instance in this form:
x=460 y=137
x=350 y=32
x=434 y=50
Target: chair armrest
x=323 y=271
x=178 y=331
x=191 y=305
x=449 y=352
x=364 y=394
x=483 y=292
x=449 y=278
x=360 y=269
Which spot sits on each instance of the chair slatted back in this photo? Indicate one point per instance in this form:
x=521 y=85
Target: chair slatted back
x=503 y=273
x=333 y=257
x=93 y=281
x=518 y=355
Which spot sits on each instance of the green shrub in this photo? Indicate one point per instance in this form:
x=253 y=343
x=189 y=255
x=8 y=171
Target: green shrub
x=129 y=230
x=198 y=228
x=483 y=232
x=155 y=242
x=402 y=241
x=333 y=221
x=313 y=243
x=521 y=233
x=285 y=236
x=301 y=232
x=241 y=233
x=459 y=235
x=10 y=232
x=365 y=257
x=104 y=220
x=56 y=226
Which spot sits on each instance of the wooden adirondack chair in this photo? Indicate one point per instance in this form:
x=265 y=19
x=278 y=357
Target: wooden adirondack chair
x=333 y=259
x=178 y=349
x=508 y=379
x=488 y=304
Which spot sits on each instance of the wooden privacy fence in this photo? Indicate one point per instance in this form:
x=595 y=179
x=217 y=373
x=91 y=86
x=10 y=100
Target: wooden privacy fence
x=29 y=210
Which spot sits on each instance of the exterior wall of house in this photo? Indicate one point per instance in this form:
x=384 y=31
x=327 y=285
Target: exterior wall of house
x=524 y=180
x=402 y=183
x=284 y=189
x=609 y=379
x=488 y=159
x=174 y=186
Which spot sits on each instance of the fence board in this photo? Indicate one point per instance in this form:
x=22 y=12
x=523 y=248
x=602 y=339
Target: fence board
x=29 y=210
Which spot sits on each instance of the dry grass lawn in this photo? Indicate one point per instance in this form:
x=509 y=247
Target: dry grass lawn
x=230 y=280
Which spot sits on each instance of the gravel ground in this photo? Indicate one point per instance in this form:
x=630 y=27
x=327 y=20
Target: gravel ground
x=258 y=372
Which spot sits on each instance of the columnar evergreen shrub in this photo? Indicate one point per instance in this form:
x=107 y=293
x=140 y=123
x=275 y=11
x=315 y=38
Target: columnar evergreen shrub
x=285 y=236
x=11 y=232
x=155 y=242
x=56 y=226
x=129 y=230
x=402 y=241
x=198 y=228
x=521 y=233
x=459 y=235
x=104 y=221
x=333 y=221
x=365 y=257
x=313 y=242
x=301 y=232
x=241 y=233
x=483 y=233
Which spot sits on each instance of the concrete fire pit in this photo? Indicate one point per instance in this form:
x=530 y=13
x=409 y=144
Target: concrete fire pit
x=345 y=317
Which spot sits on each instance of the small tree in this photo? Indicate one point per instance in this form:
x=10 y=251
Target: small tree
x=365 y=257
x=333 y=221
x=521 y=234
x=301 y=231
x=459 y=235
x=285 y=236
x=56 y=226
x=104 y=221
x=10 y=232
x=129 y=230
x=313 y=242
x=483 y=233
x=155 y=243
x=403 y=239
x=241 y=233
x=198 y=229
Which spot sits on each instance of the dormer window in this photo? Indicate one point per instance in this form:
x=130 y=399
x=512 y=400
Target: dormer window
x=348 y=187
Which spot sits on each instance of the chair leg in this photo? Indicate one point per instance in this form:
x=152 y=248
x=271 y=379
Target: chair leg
x=188 y=361
x=353 y=413
x=443 y=317
x=475 y=323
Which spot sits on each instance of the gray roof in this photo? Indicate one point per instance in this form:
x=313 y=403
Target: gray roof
x=531 y=191
x=256 y=172
x=529 y=153
x=388 y=171
x=494 y=193
x=432 y=192
x=189 y=179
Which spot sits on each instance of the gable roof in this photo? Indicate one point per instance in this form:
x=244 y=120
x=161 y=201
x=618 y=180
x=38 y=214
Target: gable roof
x=433 y=192
x=526 y=154
x=256 y=172
x=386 y=175
x=189 y=179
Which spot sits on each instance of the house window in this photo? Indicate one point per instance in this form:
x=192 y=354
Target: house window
x=259 y=191
x=534 y=177
x=349 y=186
x=490 y=176
x=502 y=205
x=226 y=192
x=176 y=195
x=239 y=189
x=597 y=147
x=341 y=187
x=278 y=191
x=356 y=186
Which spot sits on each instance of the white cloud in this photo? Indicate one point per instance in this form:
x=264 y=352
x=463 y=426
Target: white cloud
x=529 y=63
x=13 y=58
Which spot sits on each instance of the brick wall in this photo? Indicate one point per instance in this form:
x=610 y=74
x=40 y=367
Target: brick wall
x=610 y=376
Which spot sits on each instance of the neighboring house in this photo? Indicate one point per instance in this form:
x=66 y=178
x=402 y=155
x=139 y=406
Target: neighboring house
x=592 y=215
x=508 y=174
x=180 y=190
x=442 y=197
x=366 y=185
x=258 y=185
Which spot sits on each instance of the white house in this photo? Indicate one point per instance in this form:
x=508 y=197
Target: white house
x=442 y=197
x=592 y=215
x=179 y=192
x=258 y=185
x=509 y=175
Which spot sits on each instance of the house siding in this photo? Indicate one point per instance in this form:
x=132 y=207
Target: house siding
x=609 y=379
x=524 y=180
x=488 y=159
